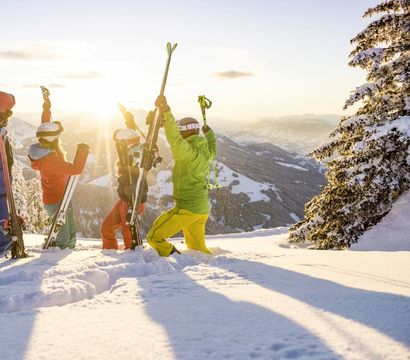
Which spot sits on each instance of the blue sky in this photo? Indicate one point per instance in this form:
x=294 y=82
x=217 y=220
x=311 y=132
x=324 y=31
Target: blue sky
x=252 y=58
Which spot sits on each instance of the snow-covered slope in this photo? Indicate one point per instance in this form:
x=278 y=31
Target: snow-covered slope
x=393 y=231
x=257 y=298
x=21 y=131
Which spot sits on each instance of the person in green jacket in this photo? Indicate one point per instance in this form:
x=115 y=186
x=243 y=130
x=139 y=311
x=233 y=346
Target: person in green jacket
x=192 y=154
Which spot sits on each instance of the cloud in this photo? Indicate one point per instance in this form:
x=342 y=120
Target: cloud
x=56 y=85
x=46 y=51
x=52 y=85
x=84 y=75
x=233 y=74
x=27 y=54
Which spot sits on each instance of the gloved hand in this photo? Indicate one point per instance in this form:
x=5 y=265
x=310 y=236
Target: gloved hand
x=205 y=129
x=83 y=146
x=149 y=118
x=129 y=120
x=161 y=103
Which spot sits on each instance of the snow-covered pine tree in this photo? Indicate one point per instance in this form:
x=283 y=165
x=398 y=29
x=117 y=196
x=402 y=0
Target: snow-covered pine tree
x=29 y=203
x=369 y=155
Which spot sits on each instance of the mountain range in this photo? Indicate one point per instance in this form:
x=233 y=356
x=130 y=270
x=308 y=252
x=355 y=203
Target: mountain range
x=296 y=133
x=263 y=185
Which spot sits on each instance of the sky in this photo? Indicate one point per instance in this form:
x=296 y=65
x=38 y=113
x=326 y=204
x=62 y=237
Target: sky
x=253 y=58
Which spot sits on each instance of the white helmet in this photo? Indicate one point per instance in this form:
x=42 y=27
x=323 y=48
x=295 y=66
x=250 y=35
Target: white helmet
x=129 y=136
x=49 y=131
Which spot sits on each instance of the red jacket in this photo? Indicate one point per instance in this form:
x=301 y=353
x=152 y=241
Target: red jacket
x=54 y=171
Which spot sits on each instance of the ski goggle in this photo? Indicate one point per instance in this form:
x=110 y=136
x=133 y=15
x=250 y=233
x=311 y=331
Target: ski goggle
x=193 y=126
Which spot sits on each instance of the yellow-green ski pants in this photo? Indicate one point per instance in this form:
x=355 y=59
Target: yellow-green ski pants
x=171 y=222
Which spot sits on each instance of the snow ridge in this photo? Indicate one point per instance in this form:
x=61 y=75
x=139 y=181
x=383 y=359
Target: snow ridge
x=53 y=283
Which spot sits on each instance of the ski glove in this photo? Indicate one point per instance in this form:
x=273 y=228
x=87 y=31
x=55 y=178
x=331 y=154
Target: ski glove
x=205 y=129
x=161 y=104
x=129 y=121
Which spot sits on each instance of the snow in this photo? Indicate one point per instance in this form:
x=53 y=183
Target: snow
x=103 y=181
x=252 y=188
x=163 y=184
x=294 y=216
x=292 y=166
x=20 y=131
x=386 y=236
x=402 y=125
x=257 y=297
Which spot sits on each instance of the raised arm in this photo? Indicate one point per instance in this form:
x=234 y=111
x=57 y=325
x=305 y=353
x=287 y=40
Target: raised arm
x=179 y=146
x=211 y=139
x=77 y=166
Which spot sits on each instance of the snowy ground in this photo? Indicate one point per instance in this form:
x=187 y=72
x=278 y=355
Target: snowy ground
x=258 y=298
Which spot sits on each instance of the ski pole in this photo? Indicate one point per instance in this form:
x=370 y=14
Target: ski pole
x=205 y=104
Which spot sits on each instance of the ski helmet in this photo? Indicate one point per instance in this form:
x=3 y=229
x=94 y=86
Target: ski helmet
x=7 y=101
x=188 y=126
x=129 y=136
x=49 y=131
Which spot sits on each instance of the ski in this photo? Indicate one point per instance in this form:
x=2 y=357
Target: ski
x=60 y=215
x=149 y=159
x=13 y=226
x=124 y=160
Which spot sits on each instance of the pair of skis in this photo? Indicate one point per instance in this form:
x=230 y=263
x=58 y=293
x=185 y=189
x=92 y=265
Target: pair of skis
x=13 y=227
x=124 y=160
x=149 y=158
x=61 y=213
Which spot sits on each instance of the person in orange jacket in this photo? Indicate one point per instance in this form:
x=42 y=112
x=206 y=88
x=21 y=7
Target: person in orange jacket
x=48 y=157
x=127 y=177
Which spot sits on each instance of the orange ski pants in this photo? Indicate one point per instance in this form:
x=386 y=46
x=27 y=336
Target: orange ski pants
x=116 y=219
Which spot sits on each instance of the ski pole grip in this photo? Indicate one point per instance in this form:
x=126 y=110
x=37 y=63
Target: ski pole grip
x=204 y=104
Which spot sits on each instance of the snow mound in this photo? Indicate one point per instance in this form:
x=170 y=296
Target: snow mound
x=393 y=231
x=50 y=280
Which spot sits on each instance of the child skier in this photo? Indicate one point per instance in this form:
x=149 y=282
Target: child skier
x=48 y=157
x=127 y=180
x=7 y=102
x=192 y=154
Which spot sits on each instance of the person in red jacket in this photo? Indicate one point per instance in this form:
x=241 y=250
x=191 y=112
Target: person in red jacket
x=48 y=157
x=127 y=177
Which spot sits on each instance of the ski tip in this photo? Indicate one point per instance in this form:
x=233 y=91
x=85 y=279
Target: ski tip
x=171 y=48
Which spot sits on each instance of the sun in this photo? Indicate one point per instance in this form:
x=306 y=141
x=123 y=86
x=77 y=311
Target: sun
x=102 y=101
x=100 y=97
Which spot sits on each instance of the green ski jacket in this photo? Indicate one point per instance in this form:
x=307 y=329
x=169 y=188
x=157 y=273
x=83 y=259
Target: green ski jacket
x=191 y=168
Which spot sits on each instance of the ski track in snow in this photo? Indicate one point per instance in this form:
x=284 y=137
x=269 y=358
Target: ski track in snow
x=257 y=297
